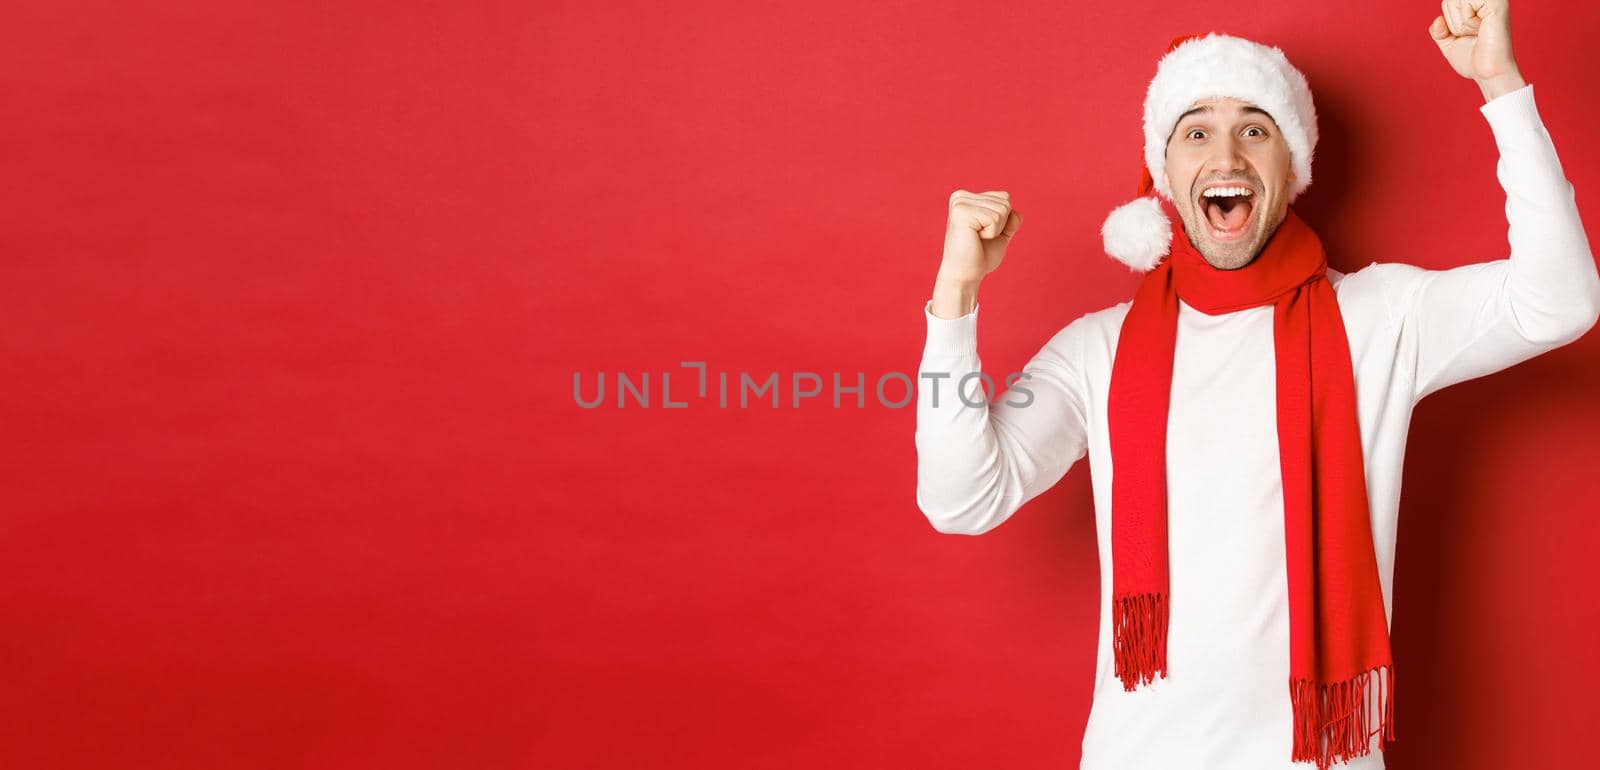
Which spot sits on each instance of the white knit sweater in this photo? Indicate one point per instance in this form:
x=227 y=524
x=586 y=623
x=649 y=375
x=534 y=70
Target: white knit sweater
x=1225 y=700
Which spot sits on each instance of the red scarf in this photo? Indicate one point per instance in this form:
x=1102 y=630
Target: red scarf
x=1338 y=636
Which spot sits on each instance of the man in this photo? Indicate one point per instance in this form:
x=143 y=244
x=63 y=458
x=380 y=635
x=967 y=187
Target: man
x=1245 y=414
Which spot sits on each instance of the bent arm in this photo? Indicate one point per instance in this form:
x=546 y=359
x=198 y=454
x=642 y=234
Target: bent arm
x=977 y=464
x=1484 y=317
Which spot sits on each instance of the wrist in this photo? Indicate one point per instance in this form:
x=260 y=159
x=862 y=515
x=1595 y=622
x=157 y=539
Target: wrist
x=954 y=297
x=1500 y=85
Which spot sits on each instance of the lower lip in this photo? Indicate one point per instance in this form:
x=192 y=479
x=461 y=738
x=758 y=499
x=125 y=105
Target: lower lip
x=1218 y=235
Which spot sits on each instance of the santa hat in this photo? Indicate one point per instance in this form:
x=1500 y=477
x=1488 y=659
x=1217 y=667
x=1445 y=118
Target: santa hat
x=1138 y=233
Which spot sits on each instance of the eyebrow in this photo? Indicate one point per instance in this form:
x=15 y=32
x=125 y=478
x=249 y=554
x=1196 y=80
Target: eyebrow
x=1207 y=108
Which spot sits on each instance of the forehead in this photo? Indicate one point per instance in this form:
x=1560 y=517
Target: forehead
x=1223 y=107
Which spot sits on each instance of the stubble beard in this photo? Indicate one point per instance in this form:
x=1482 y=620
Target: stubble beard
x=1229 y=256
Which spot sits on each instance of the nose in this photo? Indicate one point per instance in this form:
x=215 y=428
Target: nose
x=1225 y=156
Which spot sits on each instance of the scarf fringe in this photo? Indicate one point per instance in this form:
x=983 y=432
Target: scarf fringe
x=1334 y=722
x=1139 y=623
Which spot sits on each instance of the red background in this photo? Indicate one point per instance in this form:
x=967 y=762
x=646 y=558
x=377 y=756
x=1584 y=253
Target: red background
x=294 y=294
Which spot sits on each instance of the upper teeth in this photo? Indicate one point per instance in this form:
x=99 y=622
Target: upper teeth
x=1218 y=192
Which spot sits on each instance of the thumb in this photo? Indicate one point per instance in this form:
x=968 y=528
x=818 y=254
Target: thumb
x=1013 y=222
x=1439 y=30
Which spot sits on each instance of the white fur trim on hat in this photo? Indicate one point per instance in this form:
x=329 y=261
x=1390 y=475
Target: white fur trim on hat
x=1138 y=233
x=1220 y=65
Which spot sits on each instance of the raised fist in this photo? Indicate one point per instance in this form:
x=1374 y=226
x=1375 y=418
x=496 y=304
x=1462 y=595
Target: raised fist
x=1475 y=38
x=980 y=227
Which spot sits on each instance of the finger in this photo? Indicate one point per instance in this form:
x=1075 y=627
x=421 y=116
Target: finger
x=1013 y=223
x=966 y=197
x=997 y=210
x=1484 y=10
x=967 y=212
x=962 y=193
x=1002 y=199
x=1452 y=14
x=974 y=217
x=1439 y=30
x=991 y=226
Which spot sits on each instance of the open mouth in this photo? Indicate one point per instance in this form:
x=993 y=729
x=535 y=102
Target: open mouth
x=1229 y=210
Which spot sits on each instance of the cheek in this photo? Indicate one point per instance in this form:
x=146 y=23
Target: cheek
x=1281 y=162
x=1180 y=177
x=1176 y=161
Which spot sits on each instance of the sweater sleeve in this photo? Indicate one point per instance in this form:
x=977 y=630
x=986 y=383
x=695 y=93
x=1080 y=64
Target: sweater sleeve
x=978 y=461
x=1480 y=318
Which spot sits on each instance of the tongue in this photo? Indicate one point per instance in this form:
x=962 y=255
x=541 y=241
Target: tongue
x=1228 y=217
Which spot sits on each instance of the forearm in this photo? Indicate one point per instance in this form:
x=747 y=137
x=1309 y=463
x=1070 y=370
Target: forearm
x=978 y=462
x=1553 y=288
x=960 y=472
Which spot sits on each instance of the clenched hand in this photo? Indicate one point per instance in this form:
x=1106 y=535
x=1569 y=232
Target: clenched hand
x=979 y=229
x=1475 y=38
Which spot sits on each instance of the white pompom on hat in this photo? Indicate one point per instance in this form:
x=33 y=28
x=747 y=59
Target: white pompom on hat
x=1195 y=67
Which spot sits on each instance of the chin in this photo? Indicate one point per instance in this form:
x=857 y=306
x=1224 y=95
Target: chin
x=1231 y=255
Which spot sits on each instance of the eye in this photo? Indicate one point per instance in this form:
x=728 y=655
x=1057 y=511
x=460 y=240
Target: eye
x=1191 y=132
x=1259 y=130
